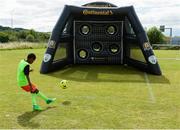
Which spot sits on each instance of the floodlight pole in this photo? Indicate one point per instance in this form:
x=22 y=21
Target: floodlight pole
x=162 y=28
x=170 y=34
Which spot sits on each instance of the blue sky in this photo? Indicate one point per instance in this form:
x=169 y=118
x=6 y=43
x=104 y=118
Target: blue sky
x=42 y=15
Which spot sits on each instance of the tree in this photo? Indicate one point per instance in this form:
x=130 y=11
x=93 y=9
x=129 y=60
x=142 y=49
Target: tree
x=30 y=38
x=13 y=38
x=155 y=36
x=4 y=37
x=19 y=34
x=33 y=32
x=22 y=35
x=43 y=37
x=12 y=35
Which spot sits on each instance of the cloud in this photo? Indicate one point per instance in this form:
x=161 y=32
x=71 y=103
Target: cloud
x=42 y=15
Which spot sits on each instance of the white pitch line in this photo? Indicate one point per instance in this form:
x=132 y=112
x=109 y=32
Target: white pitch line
x=149 y=88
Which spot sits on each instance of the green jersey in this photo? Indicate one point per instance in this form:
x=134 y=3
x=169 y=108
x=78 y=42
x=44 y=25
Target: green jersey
x=21 y=77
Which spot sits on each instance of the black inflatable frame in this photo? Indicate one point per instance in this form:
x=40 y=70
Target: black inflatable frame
x=99 y=11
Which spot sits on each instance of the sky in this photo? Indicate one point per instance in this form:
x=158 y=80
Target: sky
x=42 y=15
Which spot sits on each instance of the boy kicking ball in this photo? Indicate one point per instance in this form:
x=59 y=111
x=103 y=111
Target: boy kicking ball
x=24 y=82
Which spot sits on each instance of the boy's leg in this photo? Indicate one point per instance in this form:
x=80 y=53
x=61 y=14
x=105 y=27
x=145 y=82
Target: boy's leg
x=46 y=99
x=35 y=106
x=40 y=94
x=34 y=99
x=34 y=94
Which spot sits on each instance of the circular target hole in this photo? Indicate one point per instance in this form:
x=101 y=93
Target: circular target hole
x=111 y=30
x=85 y=29
x=82 y=54
x=97 y=47
x=114 y=48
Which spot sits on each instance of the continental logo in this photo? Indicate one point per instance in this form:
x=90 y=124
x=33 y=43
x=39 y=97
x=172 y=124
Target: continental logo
x=147 y=46
x=94 y=12
x=97 y=5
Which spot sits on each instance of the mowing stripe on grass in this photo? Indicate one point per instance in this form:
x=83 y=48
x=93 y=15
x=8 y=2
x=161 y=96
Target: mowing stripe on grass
x=149 y=88
x=168 y=58
x=178 y=55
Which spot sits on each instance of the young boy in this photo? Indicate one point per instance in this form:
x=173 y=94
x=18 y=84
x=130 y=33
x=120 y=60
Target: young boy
x=25 y=83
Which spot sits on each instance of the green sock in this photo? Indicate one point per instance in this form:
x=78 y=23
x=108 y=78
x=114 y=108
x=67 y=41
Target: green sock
x=34 y=99
x=42 y=96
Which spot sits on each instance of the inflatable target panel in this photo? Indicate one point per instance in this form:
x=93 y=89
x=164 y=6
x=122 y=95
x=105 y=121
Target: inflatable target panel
x=99 y=33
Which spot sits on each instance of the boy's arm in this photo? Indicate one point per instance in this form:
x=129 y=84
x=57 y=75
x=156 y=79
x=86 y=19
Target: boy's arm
x=26 y=72
x=29 y=81
x=31 y=70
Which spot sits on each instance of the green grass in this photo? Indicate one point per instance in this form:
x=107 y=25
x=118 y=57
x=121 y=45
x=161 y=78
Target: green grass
x=97 y=97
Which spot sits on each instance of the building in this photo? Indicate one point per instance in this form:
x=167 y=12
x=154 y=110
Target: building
x=176 y=40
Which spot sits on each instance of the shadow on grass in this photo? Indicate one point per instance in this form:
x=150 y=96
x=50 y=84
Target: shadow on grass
x=25 y=119
x=106 y=73
x=66 y=103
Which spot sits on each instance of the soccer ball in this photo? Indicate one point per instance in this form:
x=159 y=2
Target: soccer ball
x=63 y=84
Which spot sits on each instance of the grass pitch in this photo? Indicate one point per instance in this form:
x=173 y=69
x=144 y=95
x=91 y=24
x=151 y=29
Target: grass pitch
x=97 y=97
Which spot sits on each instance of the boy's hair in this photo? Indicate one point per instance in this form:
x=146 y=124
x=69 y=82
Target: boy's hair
x=31 y=55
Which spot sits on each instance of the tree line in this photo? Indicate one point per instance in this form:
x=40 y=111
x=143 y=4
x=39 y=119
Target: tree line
x=8 y=34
